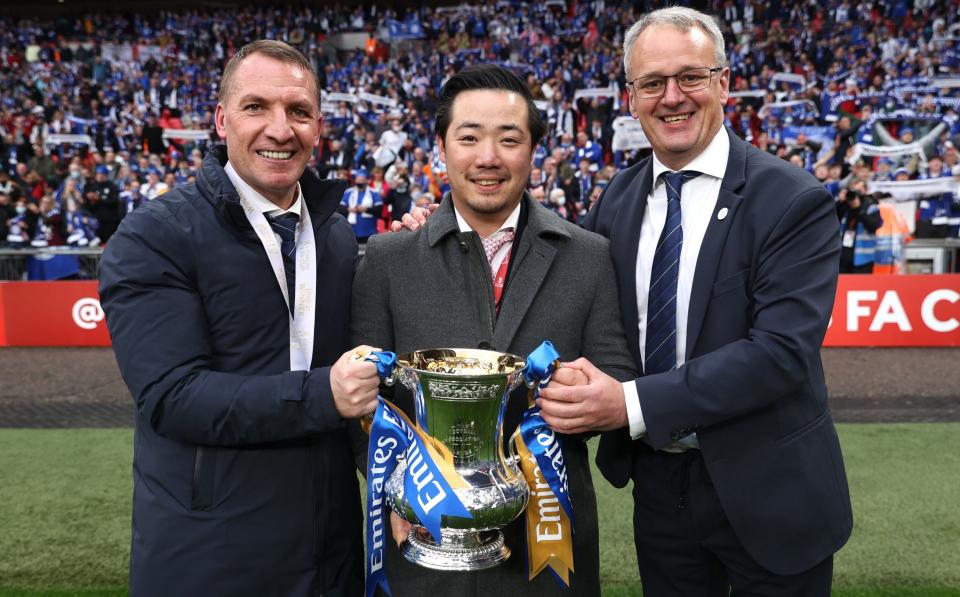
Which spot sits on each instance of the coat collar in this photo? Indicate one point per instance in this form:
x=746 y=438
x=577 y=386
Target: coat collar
x=540 y=221
x=543 y=236
x=320 y=196
x=539 y=242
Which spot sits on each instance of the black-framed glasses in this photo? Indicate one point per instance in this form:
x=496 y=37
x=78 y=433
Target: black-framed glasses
x=690 y=80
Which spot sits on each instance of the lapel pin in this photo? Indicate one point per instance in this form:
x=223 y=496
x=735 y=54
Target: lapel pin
x=722 y=213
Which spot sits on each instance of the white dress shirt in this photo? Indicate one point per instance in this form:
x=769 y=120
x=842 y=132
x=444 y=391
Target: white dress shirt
x=509 y=224
x=698 y=198
x=261 y=203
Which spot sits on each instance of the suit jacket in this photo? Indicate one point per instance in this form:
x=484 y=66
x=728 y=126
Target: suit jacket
x=752 y=388
x=432 y=289
x=244 y=482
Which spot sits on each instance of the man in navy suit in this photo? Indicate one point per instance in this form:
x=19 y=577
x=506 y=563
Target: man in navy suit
x=727 y=260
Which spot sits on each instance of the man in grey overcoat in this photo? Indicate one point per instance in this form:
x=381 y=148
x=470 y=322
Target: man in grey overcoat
x=493 y=269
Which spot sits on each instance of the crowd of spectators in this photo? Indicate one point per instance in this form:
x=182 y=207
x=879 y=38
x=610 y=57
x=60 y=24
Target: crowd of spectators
x=858 y=93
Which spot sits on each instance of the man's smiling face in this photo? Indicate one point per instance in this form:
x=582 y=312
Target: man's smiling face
x=488 y=151
x=271 y=122
x=679 y=125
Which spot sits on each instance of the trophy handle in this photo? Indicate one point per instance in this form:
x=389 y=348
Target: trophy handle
x=514 y=458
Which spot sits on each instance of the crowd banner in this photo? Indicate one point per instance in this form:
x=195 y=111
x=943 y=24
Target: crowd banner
x=748 y=93
x=377 y=99
x=341 y=97
x=906 y=190
x=918 y=310
x=62 y=138
x=144 y=52
x=944 y=102
x=863 y=149
x=904 y=115
x=906 y=82
x=792 y=78
x=765 y=108
x=861 y=98
x=946 y=82
x=914 y=89
x=628 y=134
x=820 y=134
x=410 y=28
x=52 y=314
x=192 y=134
x=117 y=53
x=592 y=92
x=82 y=122
x=829 y=78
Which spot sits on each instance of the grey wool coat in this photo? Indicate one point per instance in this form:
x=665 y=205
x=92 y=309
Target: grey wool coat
x=432 y=289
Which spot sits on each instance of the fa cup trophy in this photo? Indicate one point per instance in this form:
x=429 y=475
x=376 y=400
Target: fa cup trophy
x=461 y=397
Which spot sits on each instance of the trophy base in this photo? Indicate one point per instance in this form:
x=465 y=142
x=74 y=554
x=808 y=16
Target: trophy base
x=460 y=551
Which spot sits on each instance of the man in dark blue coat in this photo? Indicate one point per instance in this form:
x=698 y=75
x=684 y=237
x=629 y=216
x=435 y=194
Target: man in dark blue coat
x=244 y=483
x=727 y=260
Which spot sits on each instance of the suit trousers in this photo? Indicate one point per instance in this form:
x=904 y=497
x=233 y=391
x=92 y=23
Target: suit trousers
x=685 y=544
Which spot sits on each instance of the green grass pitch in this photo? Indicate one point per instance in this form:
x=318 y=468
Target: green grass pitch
x=65 y=514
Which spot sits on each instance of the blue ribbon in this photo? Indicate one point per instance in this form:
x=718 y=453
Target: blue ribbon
x=385 y=362
x=537 y=436
x=381 y=460
x=540 y=364
x=425 y=488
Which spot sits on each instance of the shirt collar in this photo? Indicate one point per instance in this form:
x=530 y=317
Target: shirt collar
x=712 y=161
x=510 y=223
x=259 y=202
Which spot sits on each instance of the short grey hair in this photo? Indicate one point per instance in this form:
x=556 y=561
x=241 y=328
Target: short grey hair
x=683 y=19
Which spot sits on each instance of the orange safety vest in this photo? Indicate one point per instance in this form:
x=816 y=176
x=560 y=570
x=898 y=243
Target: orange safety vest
x=891 y=238
x=435 y=184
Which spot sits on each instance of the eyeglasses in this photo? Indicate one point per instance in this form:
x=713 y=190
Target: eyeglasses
x=690 y=80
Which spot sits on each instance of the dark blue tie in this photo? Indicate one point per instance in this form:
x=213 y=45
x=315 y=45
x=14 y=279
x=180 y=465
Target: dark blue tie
x=661 y=337
x=285 y=225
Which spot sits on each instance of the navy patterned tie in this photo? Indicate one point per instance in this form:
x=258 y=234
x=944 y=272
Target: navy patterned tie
x=285 y=225
x=661 y=337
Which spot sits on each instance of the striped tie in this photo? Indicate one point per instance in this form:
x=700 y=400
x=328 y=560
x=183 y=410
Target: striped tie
x=661 y=337
x=285 y=226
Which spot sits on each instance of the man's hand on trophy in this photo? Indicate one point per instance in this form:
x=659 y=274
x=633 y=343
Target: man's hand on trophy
x=581 y=398
x=414 y=219
x=355 y=383
x=400 y=528
x=565 y=375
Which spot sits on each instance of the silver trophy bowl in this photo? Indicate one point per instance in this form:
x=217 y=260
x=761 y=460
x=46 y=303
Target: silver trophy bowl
x=461 y=397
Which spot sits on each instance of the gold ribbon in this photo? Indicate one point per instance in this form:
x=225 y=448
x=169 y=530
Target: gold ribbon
x=438 y=451
x=549 y=532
